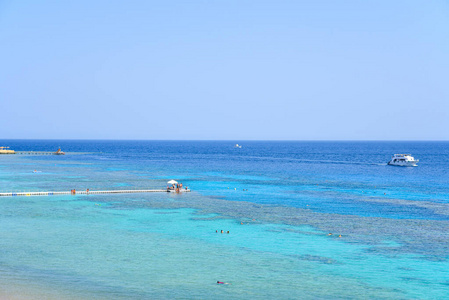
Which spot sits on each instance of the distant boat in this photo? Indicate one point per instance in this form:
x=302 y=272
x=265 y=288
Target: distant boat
x=403 y=160
x=237 y=146
x=59 y=152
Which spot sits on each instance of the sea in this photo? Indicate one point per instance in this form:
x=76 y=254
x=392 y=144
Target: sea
x=300 y=220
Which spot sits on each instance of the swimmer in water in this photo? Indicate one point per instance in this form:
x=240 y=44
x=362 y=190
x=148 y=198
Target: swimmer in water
x=221 y=282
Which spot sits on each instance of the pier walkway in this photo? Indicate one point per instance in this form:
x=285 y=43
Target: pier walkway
x=12 y=194
x=35 y=153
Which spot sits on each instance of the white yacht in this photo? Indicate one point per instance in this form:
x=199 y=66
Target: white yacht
x=403 y=160
x=237 y=146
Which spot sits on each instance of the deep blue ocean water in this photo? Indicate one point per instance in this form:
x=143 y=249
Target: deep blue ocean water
x=279 y=200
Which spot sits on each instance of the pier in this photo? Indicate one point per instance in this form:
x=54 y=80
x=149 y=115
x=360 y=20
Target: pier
x=13 y=194
x=35 y=153
x=7 y=150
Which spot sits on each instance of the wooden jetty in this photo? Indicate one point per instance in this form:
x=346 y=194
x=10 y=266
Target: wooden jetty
x=74 y=192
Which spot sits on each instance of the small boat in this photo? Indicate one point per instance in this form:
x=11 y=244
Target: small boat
x=403 y=160
x=59 y=152
x=237 y=146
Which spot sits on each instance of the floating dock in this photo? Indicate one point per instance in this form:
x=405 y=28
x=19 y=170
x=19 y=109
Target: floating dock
x=13 y=194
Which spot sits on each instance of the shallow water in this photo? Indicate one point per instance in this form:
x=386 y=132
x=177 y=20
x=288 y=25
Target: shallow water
x=279 y=201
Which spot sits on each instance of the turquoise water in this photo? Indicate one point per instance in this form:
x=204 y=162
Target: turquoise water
x=278 y=200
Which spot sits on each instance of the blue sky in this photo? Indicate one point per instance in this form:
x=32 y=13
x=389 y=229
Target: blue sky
x=263 y=70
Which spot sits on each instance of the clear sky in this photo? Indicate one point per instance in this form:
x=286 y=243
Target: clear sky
x=229 y=69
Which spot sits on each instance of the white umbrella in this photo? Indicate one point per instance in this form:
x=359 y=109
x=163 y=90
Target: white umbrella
x=172 y=182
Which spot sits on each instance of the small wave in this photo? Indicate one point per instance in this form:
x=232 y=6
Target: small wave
x=314 y=160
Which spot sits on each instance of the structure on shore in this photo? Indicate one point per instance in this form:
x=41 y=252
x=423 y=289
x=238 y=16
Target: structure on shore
x=5 y=150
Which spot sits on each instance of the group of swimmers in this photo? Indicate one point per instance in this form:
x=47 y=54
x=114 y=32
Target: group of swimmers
x=330 y=233
x=176 y=187
x=236 y=189
x=73 y=192
x=221 y=231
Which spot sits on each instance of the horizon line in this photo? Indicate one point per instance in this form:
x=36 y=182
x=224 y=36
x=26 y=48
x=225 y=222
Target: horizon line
x=222 y=140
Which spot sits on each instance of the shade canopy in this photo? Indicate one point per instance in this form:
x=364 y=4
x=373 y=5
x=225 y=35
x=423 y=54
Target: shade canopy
x=172 y=182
